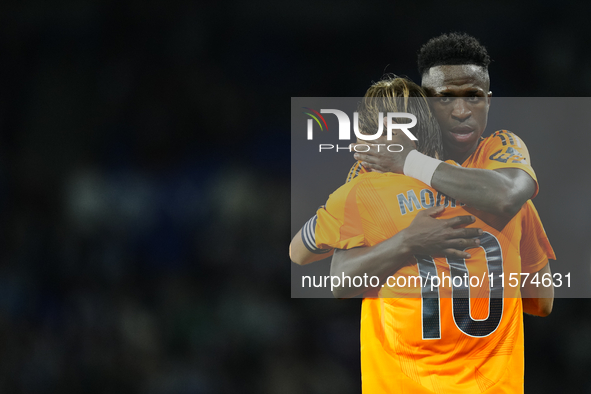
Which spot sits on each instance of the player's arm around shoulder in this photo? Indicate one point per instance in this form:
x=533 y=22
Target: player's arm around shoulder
x=501 y=192
x=497 y=178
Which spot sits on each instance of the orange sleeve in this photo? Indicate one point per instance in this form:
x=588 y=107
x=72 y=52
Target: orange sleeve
x=339 y=223
x=535 y=248
x=330 y=220
x=506 y=150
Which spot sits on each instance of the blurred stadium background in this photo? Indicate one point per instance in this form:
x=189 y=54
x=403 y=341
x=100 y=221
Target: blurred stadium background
x=144 y=186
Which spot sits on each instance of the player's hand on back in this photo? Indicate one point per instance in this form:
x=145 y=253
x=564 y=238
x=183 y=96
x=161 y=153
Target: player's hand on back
x=379 y=159
x=427 y=235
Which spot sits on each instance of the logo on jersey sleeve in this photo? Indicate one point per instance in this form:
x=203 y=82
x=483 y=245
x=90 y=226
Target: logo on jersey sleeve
x=508 y=155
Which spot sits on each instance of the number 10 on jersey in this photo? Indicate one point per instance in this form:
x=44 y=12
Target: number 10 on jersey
x=430 y=313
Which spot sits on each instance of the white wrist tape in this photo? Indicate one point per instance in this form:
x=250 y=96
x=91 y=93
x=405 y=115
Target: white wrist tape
x=420 y=166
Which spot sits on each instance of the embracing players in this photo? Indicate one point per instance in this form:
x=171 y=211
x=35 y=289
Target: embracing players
x=496 y=178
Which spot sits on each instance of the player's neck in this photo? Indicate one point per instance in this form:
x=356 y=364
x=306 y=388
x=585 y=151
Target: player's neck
x=459 y=157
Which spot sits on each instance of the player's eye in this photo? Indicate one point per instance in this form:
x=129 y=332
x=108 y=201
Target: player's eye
x=475 y=99
x=444 y=99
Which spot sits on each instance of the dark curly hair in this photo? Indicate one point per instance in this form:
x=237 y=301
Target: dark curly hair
x=452 y=49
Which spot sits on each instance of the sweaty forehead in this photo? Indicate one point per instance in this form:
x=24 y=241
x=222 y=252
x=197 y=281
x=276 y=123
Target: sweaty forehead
x=465 y=75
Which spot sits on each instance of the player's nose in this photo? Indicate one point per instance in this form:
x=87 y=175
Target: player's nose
x=461 y=110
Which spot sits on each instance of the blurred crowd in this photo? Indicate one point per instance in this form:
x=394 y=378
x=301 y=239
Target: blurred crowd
x=144 y=191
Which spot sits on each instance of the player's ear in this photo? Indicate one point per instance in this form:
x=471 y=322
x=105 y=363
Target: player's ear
x=489 y=97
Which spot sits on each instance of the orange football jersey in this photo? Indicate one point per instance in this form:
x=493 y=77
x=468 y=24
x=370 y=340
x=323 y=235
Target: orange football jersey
x=458 y=336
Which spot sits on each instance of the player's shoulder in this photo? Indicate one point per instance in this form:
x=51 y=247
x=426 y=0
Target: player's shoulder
x=502 y=146
x=378 y=180
x=504 y=137
x=362 y=178
x=364 y=181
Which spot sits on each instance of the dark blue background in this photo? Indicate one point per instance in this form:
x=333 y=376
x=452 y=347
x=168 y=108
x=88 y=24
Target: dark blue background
x=144 y=185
